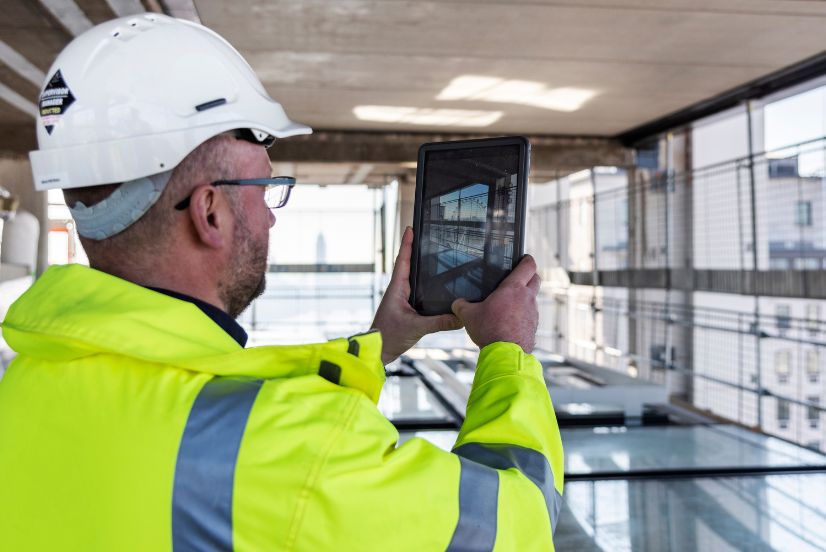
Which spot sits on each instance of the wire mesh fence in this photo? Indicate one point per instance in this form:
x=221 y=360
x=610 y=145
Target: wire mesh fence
x=686 y=278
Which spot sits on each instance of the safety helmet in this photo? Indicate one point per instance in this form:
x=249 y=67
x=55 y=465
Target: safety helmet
x=132 y=97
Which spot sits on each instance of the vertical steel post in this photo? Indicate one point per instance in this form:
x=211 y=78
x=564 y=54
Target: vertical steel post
x=383 y=223
x=669 y=181
x=559 y=230
x=375 y=288
x=595 y=273
x=758 y=332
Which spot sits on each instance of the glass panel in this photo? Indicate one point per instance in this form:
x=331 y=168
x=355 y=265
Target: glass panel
x=405 y=398
x=308 y=307
x=780 y=512
x=325 y=225
x=628 y=449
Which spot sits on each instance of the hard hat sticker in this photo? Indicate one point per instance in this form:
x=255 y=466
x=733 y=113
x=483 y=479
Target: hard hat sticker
x=54 y=101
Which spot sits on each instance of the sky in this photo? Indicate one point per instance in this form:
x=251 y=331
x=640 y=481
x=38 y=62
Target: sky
x=794 y=120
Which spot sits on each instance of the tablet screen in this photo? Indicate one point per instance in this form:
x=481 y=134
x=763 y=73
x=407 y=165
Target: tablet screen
x=468 y=215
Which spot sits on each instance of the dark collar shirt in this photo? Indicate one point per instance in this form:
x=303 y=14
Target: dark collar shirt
x=225 y=321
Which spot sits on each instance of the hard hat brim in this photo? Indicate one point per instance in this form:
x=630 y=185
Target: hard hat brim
x=83 y=165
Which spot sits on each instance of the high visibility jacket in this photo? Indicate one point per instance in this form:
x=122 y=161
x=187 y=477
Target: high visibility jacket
x=130 y=421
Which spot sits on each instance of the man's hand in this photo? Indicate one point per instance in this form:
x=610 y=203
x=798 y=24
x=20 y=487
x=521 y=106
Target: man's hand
x=508 y=314
x=400 y=325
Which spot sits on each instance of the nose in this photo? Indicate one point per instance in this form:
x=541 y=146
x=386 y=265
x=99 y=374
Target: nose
x=272 y=218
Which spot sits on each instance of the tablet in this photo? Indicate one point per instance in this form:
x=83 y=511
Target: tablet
x=468 y=221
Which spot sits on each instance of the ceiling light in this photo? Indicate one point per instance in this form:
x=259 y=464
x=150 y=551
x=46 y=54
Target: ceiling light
x=522 y=92
x=426 y=116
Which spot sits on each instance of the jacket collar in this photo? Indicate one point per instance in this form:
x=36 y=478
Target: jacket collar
x=74 y=311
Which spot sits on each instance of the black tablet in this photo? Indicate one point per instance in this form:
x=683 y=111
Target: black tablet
x=469 y=219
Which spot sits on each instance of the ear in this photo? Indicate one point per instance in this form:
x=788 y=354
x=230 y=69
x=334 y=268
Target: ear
x=211 y=216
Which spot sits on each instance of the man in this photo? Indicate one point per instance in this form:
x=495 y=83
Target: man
x=133 y=418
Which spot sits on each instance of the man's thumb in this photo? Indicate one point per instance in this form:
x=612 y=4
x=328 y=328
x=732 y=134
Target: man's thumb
x=460 y=306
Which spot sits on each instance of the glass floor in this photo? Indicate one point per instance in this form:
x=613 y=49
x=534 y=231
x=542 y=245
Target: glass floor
x=597 y=452
x=603 y=451
x=663 y=486
x=408 y=403
x=719 y=514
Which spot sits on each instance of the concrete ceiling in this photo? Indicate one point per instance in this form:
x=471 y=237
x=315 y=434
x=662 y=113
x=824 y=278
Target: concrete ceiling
x=578 y=68
x=637 y=59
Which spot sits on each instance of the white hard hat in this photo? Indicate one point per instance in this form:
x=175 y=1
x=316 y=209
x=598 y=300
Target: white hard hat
x=132 y=97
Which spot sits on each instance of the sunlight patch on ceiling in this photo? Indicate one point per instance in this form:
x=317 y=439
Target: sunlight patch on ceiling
x=522 y=92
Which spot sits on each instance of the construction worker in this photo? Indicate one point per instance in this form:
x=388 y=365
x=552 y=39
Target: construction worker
x=133 y=418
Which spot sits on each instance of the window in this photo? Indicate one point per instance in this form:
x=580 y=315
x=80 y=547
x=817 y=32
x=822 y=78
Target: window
x=783 y=317
x=813 y=318
x=803 y=213
x=782 y=362
x=783 y=168
x=660 y=358
x=783 y=413
x=812 y=368
x=806 y=263
x=812 y=411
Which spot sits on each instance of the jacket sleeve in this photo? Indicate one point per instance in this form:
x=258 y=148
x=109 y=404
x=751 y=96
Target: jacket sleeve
x=500 y=489
x=510 y=425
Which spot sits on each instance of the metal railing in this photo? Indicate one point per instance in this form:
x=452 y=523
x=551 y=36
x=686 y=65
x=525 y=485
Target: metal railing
x=716 y=275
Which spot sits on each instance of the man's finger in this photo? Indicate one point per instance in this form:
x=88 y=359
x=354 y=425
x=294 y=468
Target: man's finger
x=522 y=274
x=401 y=270
x=442 y=323
x=535 y=282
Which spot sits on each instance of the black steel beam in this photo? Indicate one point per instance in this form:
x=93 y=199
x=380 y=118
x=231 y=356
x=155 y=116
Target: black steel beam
x=797 y=73
x=683 y=473
x=314 y=267
x=804 y=284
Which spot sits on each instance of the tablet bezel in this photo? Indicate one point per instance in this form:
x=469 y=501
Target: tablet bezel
x=521 y=200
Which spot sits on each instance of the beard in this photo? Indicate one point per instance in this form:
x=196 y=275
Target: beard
x=247 y=278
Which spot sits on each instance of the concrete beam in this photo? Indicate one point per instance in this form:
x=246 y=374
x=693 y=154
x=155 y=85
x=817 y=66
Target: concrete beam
x=551 y=155
x=68 y=14
x=14 y=99
x=18 y=140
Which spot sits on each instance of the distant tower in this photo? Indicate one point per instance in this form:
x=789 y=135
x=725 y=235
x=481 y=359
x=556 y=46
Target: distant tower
x=320 y=249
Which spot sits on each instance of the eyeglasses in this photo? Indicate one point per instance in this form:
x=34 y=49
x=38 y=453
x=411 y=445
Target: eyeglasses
x=276 y=194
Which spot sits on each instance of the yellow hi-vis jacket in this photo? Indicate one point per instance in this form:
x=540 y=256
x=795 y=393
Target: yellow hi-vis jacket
x=129 y=421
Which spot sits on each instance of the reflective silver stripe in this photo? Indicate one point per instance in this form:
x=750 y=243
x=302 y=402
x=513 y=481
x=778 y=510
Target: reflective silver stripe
x=478 y=497
x=530 y=462
x=205 y=471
